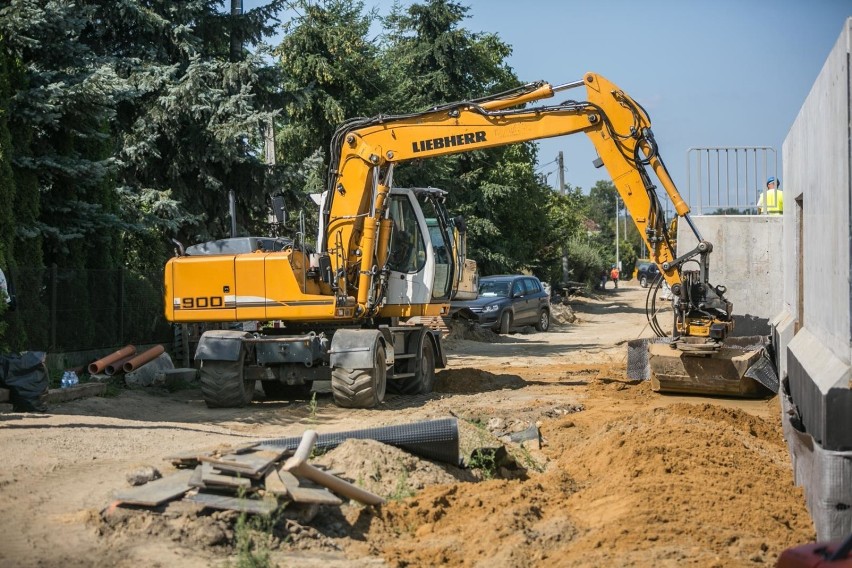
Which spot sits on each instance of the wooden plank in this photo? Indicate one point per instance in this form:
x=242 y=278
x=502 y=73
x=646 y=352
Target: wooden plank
x=196 y=479
x=252 y=464
x=245 y=448
x=289 y=480
x=273 y=483
x=210 y=478
x=301 y=494
x=318 y=496
x=186 y=459
x=159 y=491
x=214 y=501
x=83 y=390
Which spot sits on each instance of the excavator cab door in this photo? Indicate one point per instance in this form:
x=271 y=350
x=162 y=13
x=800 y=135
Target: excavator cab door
x=410 y=258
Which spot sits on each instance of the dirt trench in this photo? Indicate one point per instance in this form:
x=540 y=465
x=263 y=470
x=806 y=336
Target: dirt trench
x=623 y=476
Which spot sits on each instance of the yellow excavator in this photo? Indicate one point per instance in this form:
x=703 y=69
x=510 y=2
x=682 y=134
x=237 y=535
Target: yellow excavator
x=385 y=254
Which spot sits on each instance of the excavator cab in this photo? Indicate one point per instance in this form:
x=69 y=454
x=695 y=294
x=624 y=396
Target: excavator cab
x=421 y=253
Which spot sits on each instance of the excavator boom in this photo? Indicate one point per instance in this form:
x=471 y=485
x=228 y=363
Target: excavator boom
x=366 y=150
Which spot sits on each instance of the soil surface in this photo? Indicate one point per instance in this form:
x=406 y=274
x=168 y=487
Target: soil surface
x=621 y=476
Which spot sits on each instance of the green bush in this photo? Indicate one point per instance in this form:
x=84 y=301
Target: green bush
x=586 y=261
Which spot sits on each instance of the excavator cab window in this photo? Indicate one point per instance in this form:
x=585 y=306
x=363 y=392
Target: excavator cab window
x=442 y=282
x=407 y=252
x=437 y=220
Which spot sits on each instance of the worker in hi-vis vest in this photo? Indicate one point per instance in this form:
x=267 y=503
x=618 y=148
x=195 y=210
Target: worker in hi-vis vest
x=774 y=198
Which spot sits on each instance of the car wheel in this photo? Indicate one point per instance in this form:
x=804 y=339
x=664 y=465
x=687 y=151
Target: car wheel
x=543 y=323
x=505 y=323
x=643 y=281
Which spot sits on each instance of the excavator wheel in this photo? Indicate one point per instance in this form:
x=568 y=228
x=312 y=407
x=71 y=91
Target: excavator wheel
x=423 y=380
x=223 y=384
x=361 y=388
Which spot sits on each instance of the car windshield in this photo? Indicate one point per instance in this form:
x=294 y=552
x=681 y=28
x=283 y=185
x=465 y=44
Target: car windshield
x=494 y=289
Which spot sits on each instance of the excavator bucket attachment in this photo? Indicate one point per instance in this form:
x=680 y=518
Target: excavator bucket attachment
x=739 y=367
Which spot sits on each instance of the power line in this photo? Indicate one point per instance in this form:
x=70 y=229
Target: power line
x=546 y=164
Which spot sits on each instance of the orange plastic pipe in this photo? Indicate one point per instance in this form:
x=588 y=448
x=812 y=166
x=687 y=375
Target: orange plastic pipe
x=116 y=367
x=143 y=358
x=101 y=364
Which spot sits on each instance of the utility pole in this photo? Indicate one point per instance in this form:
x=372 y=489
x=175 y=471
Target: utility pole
x=236 y=54
x=560 y=162
x=617 y=261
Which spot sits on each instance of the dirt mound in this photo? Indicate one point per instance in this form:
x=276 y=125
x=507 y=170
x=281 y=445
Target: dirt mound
x=387 y=470
x=462 y=329
x=715 y=477
x=507 y=523
x=469 y=381
x=687 y=484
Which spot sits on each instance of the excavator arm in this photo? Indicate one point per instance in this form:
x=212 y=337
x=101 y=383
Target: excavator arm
x=356 y=235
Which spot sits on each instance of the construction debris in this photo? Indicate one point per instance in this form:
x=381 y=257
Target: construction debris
x=157 y=492
x=142 y=475
x=247 y=479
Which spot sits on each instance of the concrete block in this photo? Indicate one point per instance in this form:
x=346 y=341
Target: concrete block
x=783 y=330
x=4 y=395
x=819 y=389
x=747 y=260
x=150 y=373
x=84 y=390
x=181 y=375
x=6 y=407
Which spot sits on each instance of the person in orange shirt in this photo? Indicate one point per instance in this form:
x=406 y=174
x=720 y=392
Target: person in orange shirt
x=613 y=275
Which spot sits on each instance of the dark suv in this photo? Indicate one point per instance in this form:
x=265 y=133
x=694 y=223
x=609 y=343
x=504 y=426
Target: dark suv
x=508 y=301
x=647 y=273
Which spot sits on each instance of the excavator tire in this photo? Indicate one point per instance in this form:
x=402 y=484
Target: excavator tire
x=275 y=390
x=423 y=380
x=223 y=386
x=360 y=388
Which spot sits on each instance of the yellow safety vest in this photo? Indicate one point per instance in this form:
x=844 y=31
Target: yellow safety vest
x=774 y=201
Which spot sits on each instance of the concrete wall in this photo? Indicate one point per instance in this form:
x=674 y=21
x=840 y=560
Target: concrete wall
x=813 y=328
x=747 y=260
x=814 y=325
x=816 y=156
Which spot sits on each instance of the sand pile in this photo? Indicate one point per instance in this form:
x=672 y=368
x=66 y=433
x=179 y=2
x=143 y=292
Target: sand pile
x=688 y=484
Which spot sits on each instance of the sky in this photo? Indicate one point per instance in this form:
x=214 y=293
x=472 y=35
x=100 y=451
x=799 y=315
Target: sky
x=710 y=73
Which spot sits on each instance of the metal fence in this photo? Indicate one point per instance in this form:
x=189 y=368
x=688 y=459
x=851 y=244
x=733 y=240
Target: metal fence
x=61 y=310
x=728 y=180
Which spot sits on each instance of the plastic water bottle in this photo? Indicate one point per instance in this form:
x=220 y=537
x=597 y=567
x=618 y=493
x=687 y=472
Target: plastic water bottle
x=69 y=379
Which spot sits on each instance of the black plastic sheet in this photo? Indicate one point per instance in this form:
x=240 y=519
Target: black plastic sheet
x=25 y=375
